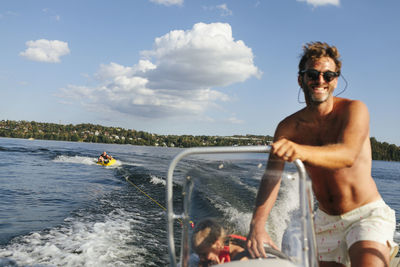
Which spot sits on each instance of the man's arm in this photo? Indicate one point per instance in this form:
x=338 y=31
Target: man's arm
x=265 y=200
x=266 y=197
x=355 y=118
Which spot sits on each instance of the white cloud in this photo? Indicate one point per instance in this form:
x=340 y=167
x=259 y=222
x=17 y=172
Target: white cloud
x=168 y=2
x=225 y=10
x=186 y=66
x=45 y=50
x=205 y=56
x=321 y=2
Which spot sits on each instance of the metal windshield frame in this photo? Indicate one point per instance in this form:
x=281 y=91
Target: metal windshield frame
x=187 y=188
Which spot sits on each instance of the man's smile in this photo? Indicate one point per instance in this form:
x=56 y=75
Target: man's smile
x=319 y=89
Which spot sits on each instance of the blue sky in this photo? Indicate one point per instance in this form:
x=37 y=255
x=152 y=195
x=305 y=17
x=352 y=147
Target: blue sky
x=191 y=67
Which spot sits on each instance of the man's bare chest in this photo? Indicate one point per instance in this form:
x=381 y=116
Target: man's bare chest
x=328 y=132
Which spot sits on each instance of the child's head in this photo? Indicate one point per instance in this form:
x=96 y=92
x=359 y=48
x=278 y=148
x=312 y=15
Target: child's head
x=208 y=239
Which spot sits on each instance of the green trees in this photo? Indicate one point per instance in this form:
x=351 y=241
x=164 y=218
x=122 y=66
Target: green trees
x=384 y=151
x=100 y=134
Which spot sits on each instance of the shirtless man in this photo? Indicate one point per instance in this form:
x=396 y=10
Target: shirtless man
x=331 y=136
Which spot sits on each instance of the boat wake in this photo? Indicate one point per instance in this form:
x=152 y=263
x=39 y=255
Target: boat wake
x=83 y=160
x=76 y=159
x=106 y=241
x=156 y=180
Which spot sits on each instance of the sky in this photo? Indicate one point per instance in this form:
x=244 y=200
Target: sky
x=193 y=67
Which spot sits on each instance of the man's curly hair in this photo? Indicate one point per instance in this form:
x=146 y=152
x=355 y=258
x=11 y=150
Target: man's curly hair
x=316 y=50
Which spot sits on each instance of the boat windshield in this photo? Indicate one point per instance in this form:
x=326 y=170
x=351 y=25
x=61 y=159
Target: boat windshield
x=208 y=183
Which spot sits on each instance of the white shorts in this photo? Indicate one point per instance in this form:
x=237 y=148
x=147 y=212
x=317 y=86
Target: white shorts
x=335 y=234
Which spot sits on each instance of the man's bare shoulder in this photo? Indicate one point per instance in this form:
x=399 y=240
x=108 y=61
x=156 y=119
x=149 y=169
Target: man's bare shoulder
x=289 y=120
x=289 y=123
x=350 y=110
x=349 y=103
x=343 y=110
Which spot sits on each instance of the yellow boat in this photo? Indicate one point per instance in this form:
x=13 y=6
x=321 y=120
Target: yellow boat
x=108 y=163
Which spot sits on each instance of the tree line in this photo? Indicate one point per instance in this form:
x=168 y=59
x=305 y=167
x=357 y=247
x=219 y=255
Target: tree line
x=114 y=135
x=384 y=151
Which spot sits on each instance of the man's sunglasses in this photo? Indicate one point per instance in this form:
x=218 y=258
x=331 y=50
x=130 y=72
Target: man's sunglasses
x=314 y=74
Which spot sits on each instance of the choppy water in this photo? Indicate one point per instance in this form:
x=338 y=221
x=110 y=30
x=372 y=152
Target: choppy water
x=59 y=208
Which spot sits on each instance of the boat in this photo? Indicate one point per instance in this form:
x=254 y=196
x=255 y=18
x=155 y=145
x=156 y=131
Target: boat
x=306 y=255
x=107 y=163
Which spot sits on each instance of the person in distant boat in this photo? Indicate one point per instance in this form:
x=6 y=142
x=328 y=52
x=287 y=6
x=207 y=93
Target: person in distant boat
x=104 y=157
x=213 y=246
x=331 y=137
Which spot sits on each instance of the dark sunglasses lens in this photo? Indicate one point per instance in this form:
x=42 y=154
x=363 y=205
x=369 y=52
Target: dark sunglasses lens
x=329 y=75
x=313 y=74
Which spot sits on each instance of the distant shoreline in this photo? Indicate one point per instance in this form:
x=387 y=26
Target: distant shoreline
x=115 y=135
x=91 y=133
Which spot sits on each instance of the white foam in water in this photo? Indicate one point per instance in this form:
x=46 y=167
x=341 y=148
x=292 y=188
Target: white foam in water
x=246 y=186
x=83 y=160
x=76 y=159
x=286 y=204
x=107 y=243
x=156 y=180
x=240 y=220
x=281 y=214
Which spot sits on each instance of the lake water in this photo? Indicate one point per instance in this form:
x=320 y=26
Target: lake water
x=59 y=208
